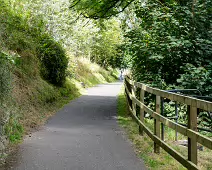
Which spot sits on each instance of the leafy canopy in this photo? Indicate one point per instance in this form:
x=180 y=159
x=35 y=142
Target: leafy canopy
x=97 y=9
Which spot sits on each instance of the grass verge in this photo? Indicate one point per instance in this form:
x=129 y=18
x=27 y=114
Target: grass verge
x=144 y=145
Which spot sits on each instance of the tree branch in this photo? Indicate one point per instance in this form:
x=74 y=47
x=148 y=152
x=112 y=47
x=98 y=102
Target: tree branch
x=73 y=5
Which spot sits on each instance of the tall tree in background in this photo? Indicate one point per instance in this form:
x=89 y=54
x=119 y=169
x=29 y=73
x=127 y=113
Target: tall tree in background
x=108 y=39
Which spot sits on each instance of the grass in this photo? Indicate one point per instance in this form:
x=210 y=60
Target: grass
x=91 y=74
x=14 y=130
x=144 y=145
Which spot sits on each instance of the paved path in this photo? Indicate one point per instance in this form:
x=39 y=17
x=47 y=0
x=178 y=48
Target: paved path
x=84 y=135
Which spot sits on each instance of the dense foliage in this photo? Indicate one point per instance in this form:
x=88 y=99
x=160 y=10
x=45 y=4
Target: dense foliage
x=108 y=39
x=197 y=78
x=54 y=61
x=169 y=36
x=97 y=9
x=21 y=36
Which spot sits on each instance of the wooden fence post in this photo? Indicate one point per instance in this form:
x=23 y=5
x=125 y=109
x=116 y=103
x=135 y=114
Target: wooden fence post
x=162 y=113
x=142 y=92
x=192 y=142
x=157 y=125
x=133 y=95
x=129 y=86
x=127 y=97
x=176 y=119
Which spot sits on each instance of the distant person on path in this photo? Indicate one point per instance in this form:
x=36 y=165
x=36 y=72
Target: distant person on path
x=121 y=75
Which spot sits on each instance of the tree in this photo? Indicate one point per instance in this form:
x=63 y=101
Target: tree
x=169 y=36
x=105 y=50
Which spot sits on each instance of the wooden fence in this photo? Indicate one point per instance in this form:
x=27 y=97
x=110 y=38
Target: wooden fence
x=190 y=131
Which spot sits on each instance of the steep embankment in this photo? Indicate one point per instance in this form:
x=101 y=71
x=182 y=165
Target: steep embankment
x=37 y=77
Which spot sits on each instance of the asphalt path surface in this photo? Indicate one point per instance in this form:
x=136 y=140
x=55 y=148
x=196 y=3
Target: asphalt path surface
x=84 y=135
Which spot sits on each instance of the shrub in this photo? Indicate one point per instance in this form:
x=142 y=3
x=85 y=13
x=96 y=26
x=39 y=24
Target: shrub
x=53 y=61
x=197 y=78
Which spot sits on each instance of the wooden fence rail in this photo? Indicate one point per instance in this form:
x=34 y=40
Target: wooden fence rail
x=190 y=131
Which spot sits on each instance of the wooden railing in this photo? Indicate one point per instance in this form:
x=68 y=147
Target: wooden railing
x=190 y=131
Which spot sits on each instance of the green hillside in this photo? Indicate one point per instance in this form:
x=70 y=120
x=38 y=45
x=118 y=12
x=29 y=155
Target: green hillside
x=39 y=70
